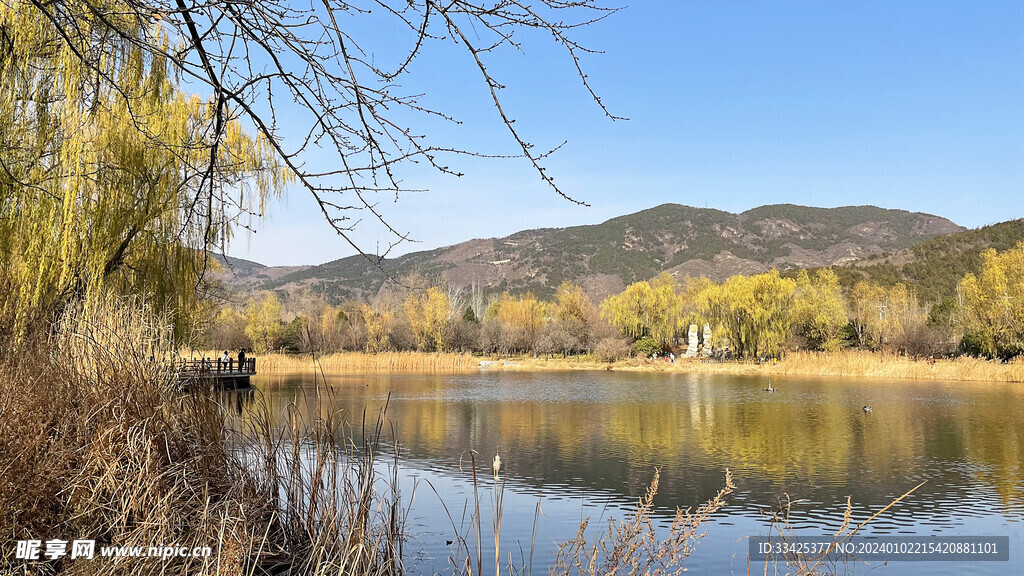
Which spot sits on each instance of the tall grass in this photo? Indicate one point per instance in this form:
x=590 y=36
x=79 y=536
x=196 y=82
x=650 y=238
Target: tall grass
x=99 y=441
x=850 y=363
x=631 y=546
x=863 y=364
x=359 y=363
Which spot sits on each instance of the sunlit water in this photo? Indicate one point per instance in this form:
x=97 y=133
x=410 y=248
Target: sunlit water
x=586 y=444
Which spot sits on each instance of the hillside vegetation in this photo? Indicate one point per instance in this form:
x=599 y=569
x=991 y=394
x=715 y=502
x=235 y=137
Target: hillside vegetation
x=934 y=267
x=605 y=258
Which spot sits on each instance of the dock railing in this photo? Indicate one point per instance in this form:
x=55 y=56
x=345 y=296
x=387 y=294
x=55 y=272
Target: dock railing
x=217 y=367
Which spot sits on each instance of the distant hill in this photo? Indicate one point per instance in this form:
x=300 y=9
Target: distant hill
x=246 y=275
x=934 y=268
x=605 y=257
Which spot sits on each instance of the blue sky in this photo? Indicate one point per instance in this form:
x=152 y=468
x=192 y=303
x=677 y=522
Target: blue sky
x=731 y=105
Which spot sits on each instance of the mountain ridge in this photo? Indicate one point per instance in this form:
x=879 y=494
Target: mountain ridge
x=604 y=257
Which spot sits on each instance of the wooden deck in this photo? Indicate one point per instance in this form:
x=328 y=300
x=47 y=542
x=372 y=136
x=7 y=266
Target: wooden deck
x=223 y=375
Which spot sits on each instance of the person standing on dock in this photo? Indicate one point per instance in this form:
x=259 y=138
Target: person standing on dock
x=225 y=361
x=241 y=360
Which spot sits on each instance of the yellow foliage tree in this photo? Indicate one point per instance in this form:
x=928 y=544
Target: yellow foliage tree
x=429 y=315
x=227 y=330
x=886 y=318
x=755 y=312
x=107 y=182
x=264 y=327
x=820 y=309
x=378 y=329
x=867 y=302
x=577 y=318
x=992 y=302
x=653 y=309
x=521 y=320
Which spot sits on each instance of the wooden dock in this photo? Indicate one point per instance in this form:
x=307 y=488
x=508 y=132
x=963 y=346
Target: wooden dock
x=222 y=375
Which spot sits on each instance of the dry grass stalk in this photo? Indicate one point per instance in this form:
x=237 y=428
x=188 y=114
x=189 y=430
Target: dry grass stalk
x=633 y=547
x=805 y=564
x=97 y=440
x=360 y=363
x=850 y=364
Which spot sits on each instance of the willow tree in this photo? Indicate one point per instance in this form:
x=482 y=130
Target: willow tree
x=263 y=322
x=820 y=309
x=647 y=309
x=107 y=178
x=576 y=318
x=888 y=318
x=867 y=301
x=755 y=312
x=111 y=176
x=992 y=302
x=521 y=319
x=378 y=329
x=429 y=313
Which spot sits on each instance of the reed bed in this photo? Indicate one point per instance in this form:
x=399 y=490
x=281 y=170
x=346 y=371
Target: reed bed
x=860 y=364
x=99 y=440
x=360 y=363
x=846 y=364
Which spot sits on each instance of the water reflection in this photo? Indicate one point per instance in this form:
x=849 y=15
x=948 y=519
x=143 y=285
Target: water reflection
x=575 y=433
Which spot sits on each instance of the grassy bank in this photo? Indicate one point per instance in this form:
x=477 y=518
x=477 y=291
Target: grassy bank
x=848 y=364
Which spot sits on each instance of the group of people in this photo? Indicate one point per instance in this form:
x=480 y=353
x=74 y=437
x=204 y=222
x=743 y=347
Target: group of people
x=226 y=359
x=226 y=362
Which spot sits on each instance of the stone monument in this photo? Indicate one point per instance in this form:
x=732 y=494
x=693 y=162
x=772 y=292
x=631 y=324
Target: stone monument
x=706 y=349
x=691 y=342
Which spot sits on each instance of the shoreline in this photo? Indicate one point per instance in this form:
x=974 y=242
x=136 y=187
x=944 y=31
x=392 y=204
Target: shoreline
x=847 y=364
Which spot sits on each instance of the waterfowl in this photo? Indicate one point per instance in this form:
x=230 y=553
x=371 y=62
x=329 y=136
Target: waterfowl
x=769 y=388
x=867 y=408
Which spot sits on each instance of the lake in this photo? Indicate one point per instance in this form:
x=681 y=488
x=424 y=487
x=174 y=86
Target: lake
x=586 y=444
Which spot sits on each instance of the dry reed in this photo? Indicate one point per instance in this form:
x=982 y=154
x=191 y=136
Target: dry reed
x=361 y=363
x=850 y=364
x=98 y=440
x=823 y=563
x=860 y=364
x=633 y=547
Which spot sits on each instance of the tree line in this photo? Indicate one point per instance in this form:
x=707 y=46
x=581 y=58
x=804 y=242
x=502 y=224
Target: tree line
x=761 y=315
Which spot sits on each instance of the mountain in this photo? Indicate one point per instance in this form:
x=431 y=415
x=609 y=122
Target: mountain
x=247 y=276
x=605 y=257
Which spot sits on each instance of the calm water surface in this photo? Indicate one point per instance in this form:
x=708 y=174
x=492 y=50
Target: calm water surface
x=586 y=444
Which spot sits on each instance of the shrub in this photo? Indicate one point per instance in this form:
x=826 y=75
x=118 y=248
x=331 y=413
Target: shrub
x=647 y=346
x=612 y=349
